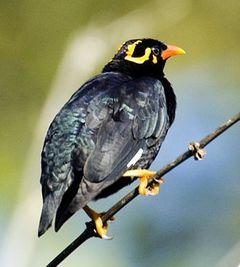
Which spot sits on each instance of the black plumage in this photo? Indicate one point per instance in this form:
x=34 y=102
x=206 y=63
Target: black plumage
x=125 y=110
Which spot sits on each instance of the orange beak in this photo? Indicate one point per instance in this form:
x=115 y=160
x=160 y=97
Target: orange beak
x=172 y=50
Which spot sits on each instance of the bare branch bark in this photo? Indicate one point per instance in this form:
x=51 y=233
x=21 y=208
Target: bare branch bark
x=89 y=231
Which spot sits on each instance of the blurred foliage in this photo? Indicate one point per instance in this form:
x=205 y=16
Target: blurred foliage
x=32 y=39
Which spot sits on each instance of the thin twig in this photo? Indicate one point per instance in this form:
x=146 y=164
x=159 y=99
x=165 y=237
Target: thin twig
x=89 y=231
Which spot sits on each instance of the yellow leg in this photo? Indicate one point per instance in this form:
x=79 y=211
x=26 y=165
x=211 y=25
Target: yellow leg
x=101 y=228
x=144 y=175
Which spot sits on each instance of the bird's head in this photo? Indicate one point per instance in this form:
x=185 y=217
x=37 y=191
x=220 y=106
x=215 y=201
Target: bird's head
x=143 y=57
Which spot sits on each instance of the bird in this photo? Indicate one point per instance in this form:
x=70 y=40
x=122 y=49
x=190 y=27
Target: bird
x=108 y=133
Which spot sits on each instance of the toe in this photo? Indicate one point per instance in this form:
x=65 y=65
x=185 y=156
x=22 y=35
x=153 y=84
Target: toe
x=101 y=229
x=139 y=173
x=154 y=190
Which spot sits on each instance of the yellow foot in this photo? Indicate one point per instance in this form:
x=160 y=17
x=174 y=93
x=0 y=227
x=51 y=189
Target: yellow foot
x=100 y=227
x=144 y=175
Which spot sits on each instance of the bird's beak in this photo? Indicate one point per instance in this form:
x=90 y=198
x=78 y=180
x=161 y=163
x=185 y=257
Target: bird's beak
x=172 y=50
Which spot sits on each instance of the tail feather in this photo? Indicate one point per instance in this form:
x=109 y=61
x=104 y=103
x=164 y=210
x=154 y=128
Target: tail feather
x=47 y=215
x=63 y=211
x=62 y=218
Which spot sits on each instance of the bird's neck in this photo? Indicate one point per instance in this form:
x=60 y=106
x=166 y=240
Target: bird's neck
x=133 y=70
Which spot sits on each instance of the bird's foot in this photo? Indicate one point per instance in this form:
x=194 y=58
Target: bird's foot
x=198 y=152
x=144 y=176
x=100 y=227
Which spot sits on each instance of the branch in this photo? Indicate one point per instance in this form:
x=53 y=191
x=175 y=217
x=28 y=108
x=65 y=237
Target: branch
x=89 y=231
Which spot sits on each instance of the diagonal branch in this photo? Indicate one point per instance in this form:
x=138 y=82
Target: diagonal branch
x=195 y=148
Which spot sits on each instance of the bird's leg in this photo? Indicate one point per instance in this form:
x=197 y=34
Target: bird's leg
x=100 y=227
x=199 y=152
x=144 y=175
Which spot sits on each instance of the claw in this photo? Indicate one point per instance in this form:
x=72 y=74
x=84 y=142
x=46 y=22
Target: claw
x=144 y=175
x=100 y=227
x=112 y=219
x=153 y=191
x=106 y=237
x=159 y=180
x=199 y=152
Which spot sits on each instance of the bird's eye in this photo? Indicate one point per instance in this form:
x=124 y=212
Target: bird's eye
x=156 y=51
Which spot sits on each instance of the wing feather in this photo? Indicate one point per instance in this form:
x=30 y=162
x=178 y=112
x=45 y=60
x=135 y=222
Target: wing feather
x=96 y=135
x=67 y=132
x=139 y=114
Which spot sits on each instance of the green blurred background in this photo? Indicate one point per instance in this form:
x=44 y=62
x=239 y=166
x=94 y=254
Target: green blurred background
x=47 y=50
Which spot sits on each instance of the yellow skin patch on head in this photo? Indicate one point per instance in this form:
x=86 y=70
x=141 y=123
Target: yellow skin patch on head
x=142 y=59
x=154 y=59
x=131 y=48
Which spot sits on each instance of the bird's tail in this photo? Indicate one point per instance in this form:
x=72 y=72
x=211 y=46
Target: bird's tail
x=48 y=211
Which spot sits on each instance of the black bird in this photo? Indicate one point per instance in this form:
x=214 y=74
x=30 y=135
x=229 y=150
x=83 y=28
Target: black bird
x=109 y=132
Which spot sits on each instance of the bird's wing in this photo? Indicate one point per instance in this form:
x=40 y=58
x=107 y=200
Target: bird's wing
x=137 y=121
x=65 y=133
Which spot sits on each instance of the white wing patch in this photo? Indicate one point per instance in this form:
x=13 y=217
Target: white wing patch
x=135 y=158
